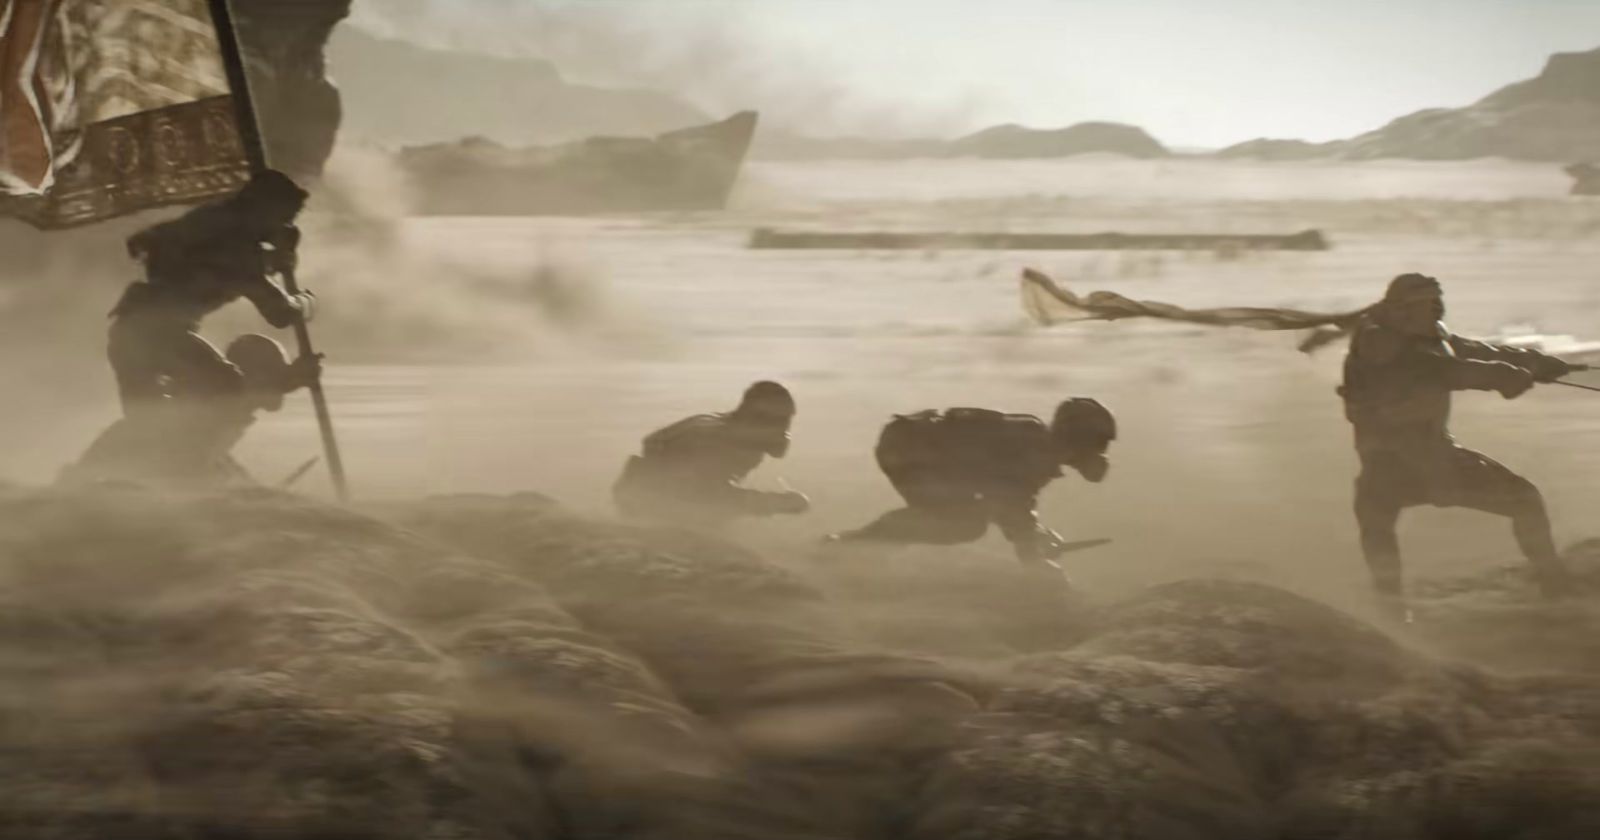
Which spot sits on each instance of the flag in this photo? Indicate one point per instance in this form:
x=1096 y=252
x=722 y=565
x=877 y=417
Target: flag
x=1048 y=303
x=112 y=106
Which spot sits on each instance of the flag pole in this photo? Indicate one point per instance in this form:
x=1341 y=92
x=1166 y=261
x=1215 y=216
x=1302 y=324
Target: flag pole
x=255 y=150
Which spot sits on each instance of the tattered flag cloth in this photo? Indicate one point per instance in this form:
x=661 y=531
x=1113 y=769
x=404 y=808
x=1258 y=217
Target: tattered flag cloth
x=112 y=106
x=1046 y=302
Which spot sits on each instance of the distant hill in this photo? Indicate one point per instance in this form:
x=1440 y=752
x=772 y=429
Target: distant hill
x=1015 y=141
x=1003 y=141
x=1552 y=117
x=1270 y=149
x=399 y=93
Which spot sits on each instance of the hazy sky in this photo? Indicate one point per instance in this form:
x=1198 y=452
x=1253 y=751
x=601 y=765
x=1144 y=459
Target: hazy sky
x=1192 y=72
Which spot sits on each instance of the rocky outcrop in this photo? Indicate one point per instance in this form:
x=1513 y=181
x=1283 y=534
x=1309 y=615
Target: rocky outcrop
x=260 y=666
x=298 y=106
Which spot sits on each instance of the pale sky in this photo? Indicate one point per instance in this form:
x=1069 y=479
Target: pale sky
x=1192 y=72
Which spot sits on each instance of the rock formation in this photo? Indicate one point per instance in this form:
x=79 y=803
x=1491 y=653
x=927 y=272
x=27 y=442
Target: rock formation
x=297 y=105
x=481 y=668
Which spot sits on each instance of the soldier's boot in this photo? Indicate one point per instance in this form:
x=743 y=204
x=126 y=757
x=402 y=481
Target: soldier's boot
x=1039 y=553
x=1531 y=526
x=1388 y=586
x=1555 y=581
x=1393 y=607
x=1380 y=545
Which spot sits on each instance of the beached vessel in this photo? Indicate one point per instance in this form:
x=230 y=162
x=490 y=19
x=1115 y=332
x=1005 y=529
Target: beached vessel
x=689 y=169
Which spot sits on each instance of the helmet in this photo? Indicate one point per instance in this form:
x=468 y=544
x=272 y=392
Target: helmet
x=1414 y=304
x=1413 y=286
x=272 y=186
x=262 y=360
x=1083 y=420
x=770 y=395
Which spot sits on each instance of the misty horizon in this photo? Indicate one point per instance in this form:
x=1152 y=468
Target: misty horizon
x=1193 y=78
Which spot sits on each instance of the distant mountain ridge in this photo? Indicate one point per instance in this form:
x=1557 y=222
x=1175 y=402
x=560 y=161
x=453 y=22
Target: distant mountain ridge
x=1008 y=141
x=1554 y=117
x=400 y=93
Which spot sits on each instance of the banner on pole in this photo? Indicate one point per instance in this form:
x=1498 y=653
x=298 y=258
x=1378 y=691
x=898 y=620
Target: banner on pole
x=108 y=107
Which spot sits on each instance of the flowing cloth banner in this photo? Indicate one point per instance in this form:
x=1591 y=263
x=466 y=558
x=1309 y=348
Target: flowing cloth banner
x=1046 y=303
x=112 y=106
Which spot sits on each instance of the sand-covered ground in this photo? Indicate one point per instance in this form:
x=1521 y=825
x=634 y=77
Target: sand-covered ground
x=260 y=666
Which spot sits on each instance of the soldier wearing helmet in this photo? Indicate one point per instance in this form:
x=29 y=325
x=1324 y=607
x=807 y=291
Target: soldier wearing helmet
x=194 y=265
x=1403 y=365
x=186 y=440
x=961 y=469
x=692 y=471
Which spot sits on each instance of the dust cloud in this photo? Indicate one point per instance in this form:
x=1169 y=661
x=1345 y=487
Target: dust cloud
x=459 y=656
x=710 y=54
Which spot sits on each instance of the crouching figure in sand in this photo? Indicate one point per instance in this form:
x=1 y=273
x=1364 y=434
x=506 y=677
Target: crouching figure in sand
x=691 y=472
x=1402 y=366
x=194 y=265
x=185 y=439
x=961 y=469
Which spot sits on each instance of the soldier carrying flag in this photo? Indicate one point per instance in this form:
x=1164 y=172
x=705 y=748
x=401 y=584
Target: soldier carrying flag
x=112 y=108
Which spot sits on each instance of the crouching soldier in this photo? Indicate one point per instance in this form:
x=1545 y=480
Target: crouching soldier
x=691 y=472
x=1402 y=367
x=186 y=440
x=962 y=469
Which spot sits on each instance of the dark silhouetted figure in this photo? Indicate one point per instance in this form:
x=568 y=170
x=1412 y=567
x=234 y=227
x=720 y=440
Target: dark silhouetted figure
x=186 y=439
x=691 y=471
x=961 y=469
x=1585 y=178
x=1402 y=366
x=194 y=265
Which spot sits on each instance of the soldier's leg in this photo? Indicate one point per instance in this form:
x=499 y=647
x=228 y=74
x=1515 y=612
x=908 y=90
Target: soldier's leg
x=200 y=369
x=944 y=525
x=937 y=512
x=145 y=349
x=1490 y=486
x=1377 y=509
x=132 y=349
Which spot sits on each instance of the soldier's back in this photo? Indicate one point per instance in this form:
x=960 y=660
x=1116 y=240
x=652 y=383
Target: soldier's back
x=687 y=435
x=976 y=442
x=1392 y=387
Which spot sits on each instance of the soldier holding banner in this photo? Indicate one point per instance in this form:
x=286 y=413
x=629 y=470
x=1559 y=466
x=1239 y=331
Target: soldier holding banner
x=195 y=264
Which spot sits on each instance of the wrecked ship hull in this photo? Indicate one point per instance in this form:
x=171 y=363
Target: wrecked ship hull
x=689 y=169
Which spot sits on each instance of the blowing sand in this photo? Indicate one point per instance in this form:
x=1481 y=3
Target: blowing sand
x=494 y=667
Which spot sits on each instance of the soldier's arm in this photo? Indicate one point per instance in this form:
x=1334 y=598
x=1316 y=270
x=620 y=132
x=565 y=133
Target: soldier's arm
x=1544 y=367
x=279 y=308
x=1436 y=360
x=756 y=502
